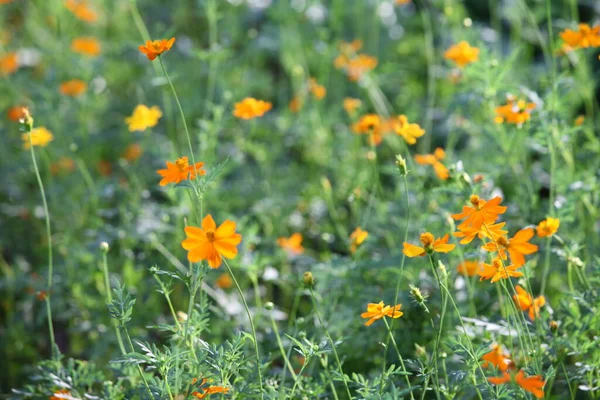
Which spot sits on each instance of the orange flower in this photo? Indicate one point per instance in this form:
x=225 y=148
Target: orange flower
x=39 y=137
x=370 y=124
x=430 y=245
x=462 y=54
x=64 y=164
x=357 y=237
x=87 y=46
x=224 y=281
x=351 y=105
x=295 y=104
x=81 y=10
x=409 y=132
x=359 y=65
x=579 y=120
x=15 y=113
x=548 y=227
x=5 y=1
x=401 y=2
x=497 y=358
x=74 y=87
x=377 y=311
x=526 y=302
x=180 y=171
x=105 y=168
x=211 y=243
x=133 y=152
x=584 y=37
x=493 y=232
x=250 y=108
x=514 y=112
x=143 y=117
x=293 y=244
x=61 y=395
x=468 y=267
x=533 y=384
x=434 y=159
x=317 y=90
x=9 y=64
x=517 y=247
x=481 y=212
x=154 y=48
x=497 y=271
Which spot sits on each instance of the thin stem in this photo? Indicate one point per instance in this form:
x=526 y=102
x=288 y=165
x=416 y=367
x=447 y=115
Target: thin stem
x=391 y=335
x=138 y=367
x=282 y=351
x=53 y=346
x=546 y=265
x=237 y=285
x=168 y=298
x=109 y=299
x=298 y=380
x=337 y=358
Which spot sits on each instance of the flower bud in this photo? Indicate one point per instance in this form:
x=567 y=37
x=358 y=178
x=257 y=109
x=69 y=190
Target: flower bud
x=401 y=164
x=104 y=247
x=269 y=305
x=553 y=326
x=308 y=280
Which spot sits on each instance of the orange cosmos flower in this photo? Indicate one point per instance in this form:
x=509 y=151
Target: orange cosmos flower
x=317 y=90
x=579 y=120
x=133 y=152
x=295 y=104
x=87 y=46
x=211 y=243
x=9 y=64
x=180 y=171
x=462 y=54
x=143 y=117
x=39 y=137
x=250 y=108
x=73 y=88
x=548 y=227
x=61 y=395
x=64 y=164
x=293 y=244
x=584 y=37
x=514 y=111
x=377 y=311
x=370 y=124
x=493 y=232
x=357 y=237
x=533 y=384
x=359 y=65
x=497 y=358
x=434 y=159
x=497 y=271
x=81 y=10
x=517 y=247
x=481 y=212
x=526 y=302
x=430 y=245
x=224 y=281
x=351 y=105
x=15 y=113
x=468 y=268
x=154 y=48
x=409 y=132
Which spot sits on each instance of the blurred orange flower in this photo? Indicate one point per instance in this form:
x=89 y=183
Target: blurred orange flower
x=180 y=171
x=88 y=46
x=357 y=237
x=468 y=268
x=64 y=164
x=492 y=231
x=481 y=212
x=293 y=244
x=211 y=243
x=9 y=64
x=584 y=37
x=430 y=245
x=319 y=91
x=73 y=88
x=462 y=54
x=434 y=159
x=377 y=311
x=61 y=395
x=143 y=117
x=133 y=152
x=533 y=384
x=517 y=247
x=224 y=281
x=39 y=137
x=351 y=105
x=250 y=108
x=295 y=104
x=526 y=302
x=81 y=10
x=548 y=227
x=105 y=168
x=496 y=271
x=497 y=358
x=514 y=111
x=154 y=48
x=359 y=65
x=15 y=113
x=372 y=125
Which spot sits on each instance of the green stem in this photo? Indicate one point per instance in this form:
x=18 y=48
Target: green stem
x=109 y=299
x=391 y=335
x=546 y=265
x=168 y=298
x=53 y=346
x=282 y=350
x=337 y=358
x=138 y=367
x=237 y=285
x=298 y=380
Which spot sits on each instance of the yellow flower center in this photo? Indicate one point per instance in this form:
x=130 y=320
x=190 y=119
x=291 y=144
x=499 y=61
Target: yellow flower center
x=475 y=200
x=497 y=263
x=502 y=241
x=426 y=239
x=182 y=164
x=156 y=45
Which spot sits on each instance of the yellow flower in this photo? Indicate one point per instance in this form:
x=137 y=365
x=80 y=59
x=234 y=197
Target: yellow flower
x=143 y=118
x=356 y=238
x=317 y=90
x=377 y=311
x=39 y=137
x=430 y=244
x=350 y=105
x=548 y=227
x=409 y=132
x=462 y=54
x=250 y=108
x=87 y=46
x=579 y=120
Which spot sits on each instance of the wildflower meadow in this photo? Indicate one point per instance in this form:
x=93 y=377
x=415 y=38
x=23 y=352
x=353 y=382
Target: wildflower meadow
x=299 y=199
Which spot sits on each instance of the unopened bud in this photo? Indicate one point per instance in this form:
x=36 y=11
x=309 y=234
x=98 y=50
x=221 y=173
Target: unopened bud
x=401 y=164
x=553 y=326
x=104 y=247
x=181 y=316
x=417 y=294
x=442 y=271
x=308 y=280
x=269 y=305
x=420 y=351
